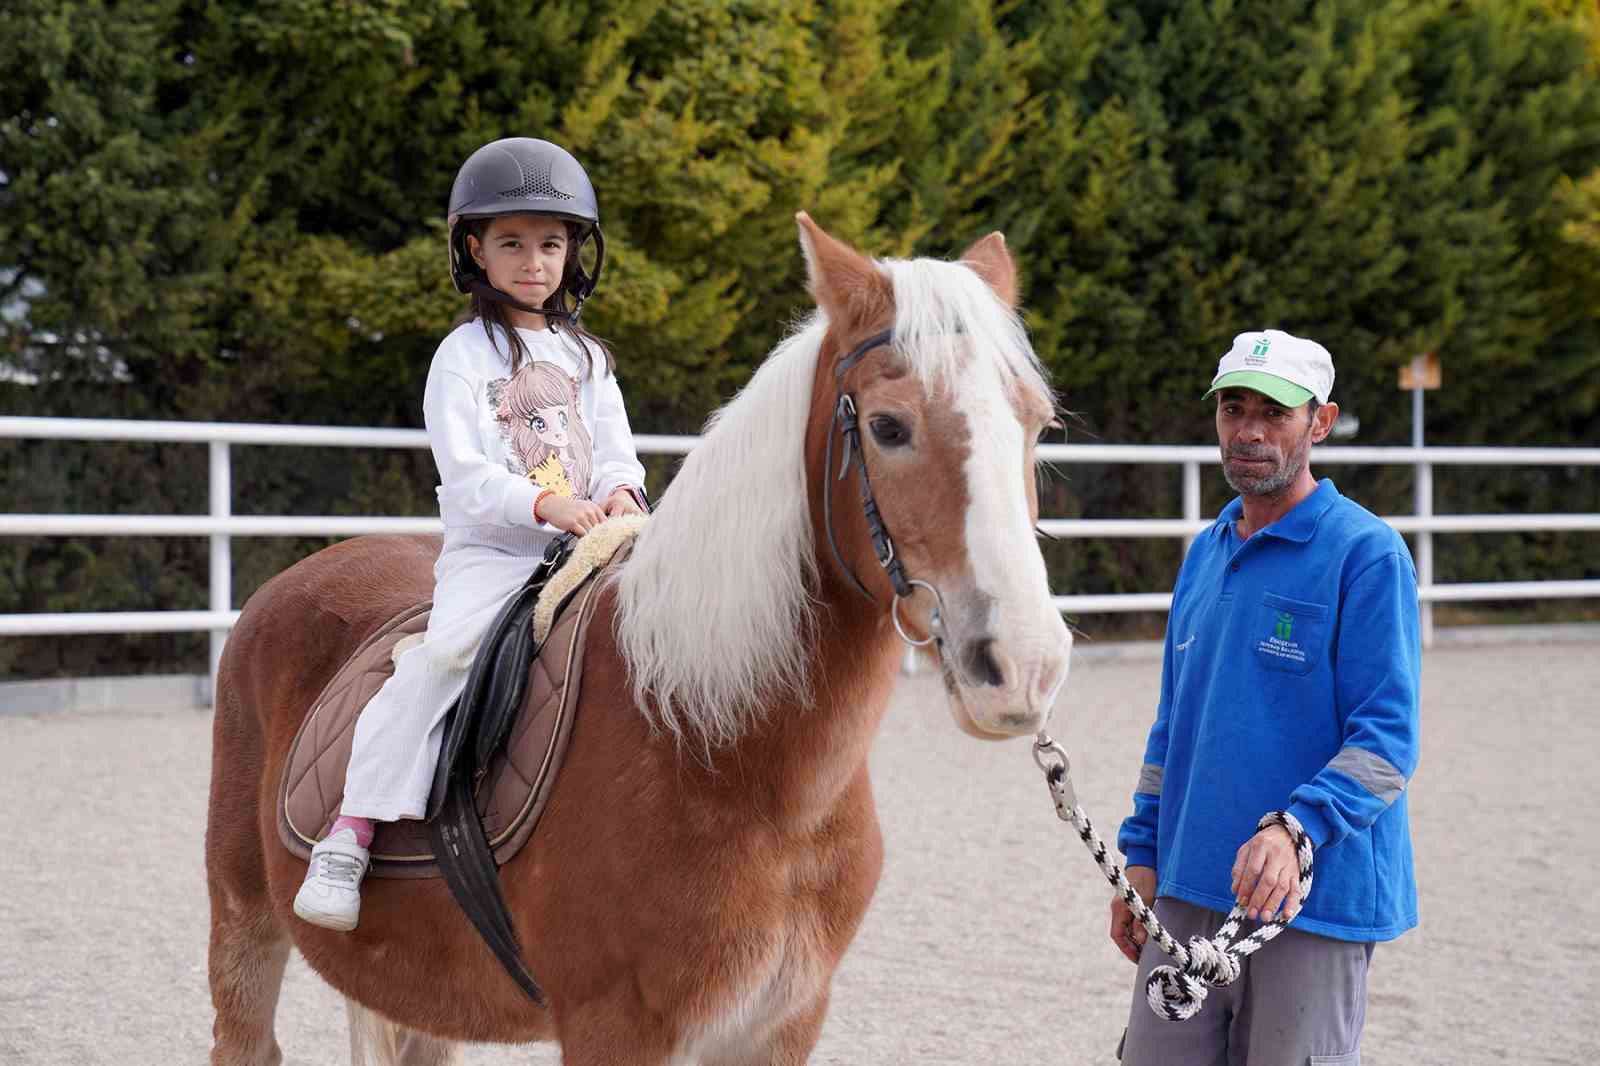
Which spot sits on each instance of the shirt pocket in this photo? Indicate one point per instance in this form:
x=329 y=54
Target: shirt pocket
x=1288 y=634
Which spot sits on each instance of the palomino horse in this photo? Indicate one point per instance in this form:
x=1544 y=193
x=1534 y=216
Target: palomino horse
x=711 y=844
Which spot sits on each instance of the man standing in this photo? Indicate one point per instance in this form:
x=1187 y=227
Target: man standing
x=1289 y=682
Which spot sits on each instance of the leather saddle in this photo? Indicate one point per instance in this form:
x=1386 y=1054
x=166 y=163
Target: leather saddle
x=503 y=740
x=512 y=783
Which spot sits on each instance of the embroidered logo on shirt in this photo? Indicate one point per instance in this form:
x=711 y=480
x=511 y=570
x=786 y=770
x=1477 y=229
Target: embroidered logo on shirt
x=1186 y=645
x=546 y=440
x=1282 y=644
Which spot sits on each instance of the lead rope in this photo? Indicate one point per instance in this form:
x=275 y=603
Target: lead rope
x=1175 y=992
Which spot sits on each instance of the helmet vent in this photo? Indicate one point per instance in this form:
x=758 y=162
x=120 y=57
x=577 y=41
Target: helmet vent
x=536 y=184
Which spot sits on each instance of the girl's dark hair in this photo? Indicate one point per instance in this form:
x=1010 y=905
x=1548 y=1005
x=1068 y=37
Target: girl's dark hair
x=493 y=313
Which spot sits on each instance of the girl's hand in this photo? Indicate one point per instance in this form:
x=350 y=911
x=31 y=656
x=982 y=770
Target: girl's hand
x=570 y=514
x=622 y=502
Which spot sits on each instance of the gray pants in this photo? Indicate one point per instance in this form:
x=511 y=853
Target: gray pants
x=1301 y=999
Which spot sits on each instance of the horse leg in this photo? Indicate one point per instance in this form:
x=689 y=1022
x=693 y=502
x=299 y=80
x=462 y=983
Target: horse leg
x=248 y=953
x=795 y=1039
x=789 y=1044
x=248 y=946
x=612 y=1033
x=376 y=1041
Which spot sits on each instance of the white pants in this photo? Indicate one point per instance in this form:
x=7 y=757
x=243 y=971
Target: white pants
x=397 y=738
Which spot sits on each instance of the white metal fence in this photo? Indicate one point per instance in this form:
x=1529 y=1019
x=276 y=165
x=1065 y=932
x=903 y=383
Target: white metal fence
x=221 y=525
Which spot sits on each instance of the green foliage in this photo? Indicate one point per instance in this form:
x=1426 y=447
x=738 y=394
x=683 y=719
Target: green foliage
x=1362 y=174
x=1389 y=179
x=219 y=209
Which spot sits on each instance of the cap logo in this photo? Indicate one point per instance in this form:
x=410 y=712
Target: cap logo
x=1258 y=354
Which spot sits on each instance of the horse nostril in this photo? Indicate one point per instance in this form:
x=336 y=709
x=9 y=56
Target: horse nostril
x=981 y=664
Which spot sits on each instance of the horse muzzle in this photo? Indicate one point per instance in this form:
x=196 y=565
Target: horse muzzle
x=999 y=691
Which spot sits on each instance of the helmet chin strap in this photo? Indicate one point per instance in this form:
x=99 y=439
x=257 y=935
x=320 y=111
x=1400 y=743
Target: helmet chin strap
x=483 y=289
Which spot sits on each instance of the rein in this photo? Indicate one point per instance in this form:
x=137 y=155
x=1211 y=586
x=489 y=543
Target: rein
x=847 y=426
x=1175 y=993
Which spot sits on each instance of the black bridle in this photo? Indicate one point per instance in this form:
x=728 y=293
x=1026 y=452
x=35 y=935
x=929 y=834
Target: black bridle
x=847 y=425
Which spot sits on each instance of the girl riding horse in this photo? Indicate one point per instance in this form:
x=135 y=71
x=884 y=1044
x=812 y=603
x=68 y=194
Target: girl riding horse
x=711 y=844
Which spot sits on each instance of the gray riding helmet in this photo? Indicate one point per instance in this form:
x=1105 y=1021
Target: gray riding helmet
x=524 y=174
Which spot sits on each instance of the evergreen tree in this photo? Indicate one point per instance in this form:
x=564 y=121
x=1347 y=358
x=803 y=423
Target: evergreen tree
x=106 y=217
x=308 y=150
x=229 y=210
x=1357 y=173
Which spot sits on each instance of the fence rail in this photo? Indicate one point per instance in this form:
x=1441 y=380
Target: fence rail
x=220 y=525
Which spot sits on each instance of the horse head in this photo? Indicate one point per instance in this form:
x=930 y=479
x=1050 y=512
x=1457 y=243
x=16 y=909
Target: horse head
x=926 y=407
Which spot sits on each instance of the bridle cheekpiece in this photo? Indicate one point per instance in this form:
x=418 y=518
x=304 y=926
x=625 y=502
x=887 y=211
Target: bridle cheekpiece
x=847 y=425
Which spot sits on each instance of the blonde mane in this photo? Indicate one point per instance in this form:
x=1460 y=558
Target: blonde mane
x=716 y=600
x=717 y=606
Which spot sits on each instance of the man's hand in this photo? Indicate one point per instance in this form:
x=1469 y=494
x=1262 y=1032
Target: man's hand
x=570 y=514
x=622 y=502
x=1127 y=932
x=1266 y=873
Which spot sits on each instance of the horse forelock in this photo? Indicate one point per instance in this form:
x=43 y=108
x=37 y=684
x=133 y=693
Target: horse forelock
x=946 y=316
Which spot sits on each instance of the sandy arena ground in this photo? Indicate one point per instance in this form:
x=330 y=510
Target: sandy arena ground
x=986 y=941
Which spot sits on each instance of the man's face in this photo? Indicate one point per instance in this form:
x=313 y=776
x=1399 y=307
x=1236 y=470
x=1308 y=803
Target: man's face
x=1265 y=444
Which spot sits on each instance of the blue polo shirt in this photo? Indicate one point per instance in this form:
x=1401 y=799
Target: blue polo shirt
x=1289 y=682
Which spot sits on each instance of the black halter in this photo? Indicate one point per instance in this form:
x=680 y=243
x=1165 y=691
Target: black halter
x=847 y=426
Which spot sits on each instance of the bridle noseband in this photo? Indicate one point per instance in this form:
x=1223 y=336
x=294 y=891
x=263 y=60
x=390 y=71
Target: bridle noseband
x=847 y=425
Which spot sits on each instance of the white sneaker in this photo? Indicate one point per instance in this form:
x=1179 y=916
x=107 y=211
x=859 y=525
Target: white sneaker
x=330 y=896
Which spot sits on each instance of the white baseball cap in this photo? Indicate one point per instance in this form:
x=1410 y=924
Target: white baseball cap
x=1289 y=369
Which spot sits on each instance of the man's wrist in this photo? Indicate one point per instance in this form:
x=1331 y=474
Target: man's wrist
x=1139 y=856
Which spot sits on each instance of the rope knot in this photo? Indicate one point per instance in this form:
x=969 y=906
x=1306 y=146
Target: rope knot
x=1178 y=995
x=1173 y=995
x=1208 y=962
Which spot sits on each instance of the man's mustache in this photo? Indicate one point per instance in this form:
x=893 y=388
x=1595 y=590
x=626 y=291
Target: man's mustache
x=1250 y=453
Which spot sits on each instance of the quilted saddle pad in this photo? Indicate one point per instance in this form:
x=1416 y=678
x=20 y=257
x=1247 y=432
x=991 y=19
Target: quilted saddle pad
x=511 y=794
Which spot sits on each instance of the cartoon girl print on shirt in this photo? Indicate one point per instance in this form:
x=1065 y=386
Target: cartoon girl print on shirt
x=537 y=409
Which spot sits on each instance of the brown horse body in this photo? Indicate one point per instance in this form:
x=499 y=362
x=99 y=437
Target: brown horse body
x=677 y=903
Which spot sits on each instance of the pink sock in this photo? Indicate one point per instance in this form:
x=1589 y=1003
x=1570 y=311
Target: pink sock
x=362 y=827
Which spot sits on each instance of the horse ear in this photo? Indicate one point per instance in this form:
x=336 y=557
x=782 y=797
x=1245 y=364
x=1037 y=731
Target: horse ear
x=991 y=260
x=848 y=286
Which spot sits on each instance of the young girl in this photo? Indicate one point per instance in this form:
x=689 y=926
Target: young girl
x=528 y=430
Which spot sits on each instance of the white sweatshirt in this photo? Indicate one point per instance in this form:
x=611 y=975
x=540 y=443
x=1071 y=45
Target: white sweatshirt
x=499 y=440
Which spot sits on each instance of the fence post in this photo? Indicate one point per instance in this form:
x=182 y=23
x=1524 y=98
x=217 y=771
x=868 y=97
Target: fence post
x=1191 y=498
x=1424 y=508
x=221 y=586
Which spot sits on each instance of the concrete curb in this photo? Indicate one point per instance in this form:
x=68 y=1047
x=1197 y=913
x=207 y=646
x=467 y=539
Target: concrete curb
x=1563 y=633
x=106 y=694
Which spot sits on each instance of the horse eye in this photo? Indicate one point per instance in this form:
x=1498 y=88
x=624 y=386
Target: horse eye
x=889 y=431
